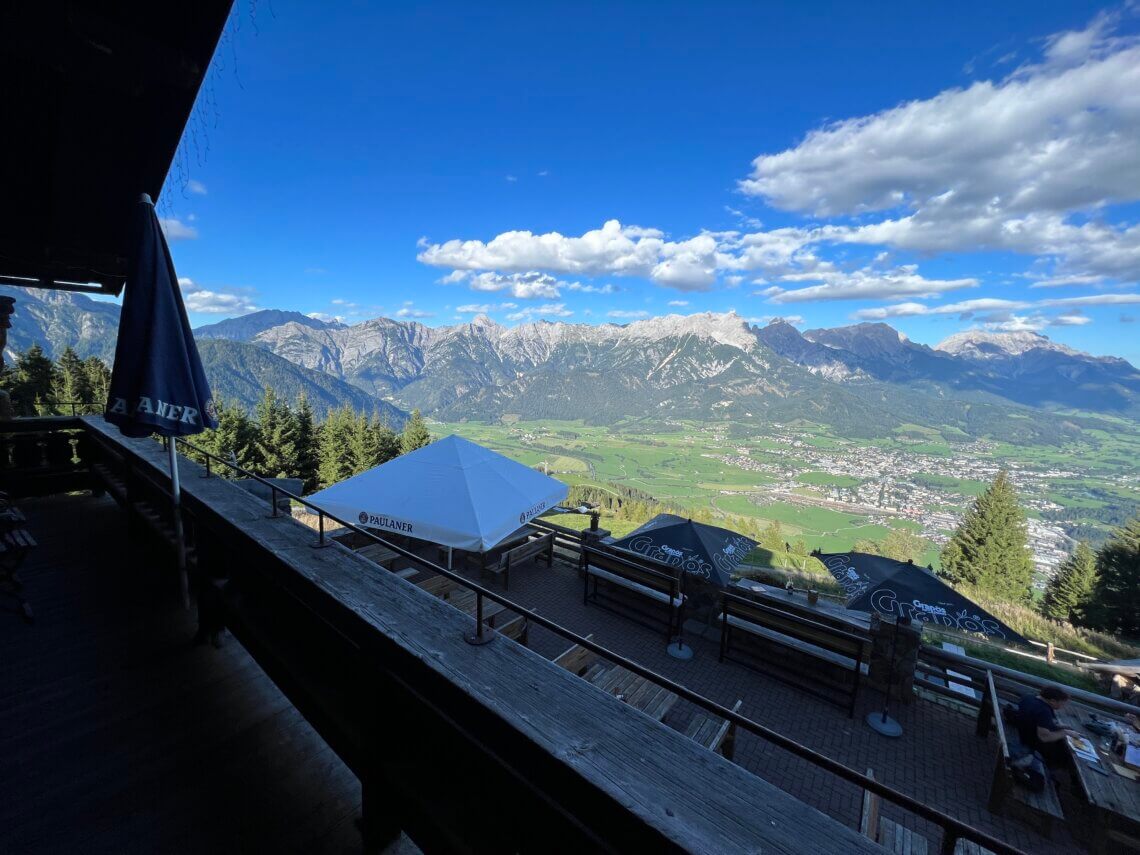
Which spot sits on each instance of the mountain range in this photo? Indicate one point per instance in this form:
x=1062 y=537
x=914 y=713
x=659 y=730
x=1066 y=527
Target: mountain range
x=864 y=379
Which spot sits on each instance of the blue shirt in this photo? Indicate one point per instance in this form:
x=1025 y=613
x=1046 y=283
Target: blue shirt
x=1032 y=713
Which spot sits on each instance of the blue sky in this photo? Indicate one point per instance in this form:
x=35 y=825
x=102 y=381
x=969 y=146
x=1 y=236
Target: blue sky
x=936 y=167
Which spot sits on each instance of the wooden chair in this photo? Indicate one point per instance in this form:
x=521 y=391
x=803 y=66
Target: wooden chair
x=539 y=547
x=716 y=734
x=1040 y=809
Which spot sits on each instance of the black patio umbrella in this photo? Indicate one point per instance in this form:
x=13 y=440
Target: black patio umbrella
x=157 y=384
x=707 y=552
x=877 y=584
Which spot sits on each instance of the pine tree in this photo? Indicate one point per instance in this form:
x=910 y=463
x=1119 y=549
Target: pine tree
x=32 y=383
x=308 y=452
x=276 y=437
x=989 y=550
x=385 y=440
x=363 y=450
x=98 y=382
x=1070 y=590
x=415 y=434
x=70 y=383
x=1115 y=605
x=235 y=437
x=335 y=464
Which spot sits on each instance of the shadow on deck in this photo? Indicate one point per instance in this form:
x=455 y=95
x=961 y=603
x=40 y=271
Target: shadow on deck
x=119 y=735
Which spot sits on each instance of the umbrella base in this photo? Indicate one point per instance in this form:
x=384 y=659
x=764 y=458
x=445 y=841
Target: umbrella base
x=474 y=638
x=884 y=725
x=679 y=650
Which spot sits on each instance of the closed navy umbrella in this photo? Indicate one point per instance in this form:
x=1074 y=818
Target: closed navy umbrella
x=877 y=584
x=157 y=384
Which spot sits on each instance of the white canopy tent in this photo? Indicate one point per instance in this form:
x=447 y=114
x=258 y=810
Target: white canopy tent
x=451 y=492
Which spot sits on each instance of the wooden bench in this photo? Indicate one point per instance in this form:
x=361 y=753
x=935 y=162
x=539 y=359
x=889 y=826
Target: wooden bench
x=1041 y=808
x=898 y=838
x=438 y=586
x=516 y=629
x=534 y=548
x=716 y=734
x=808 y=640
x=577 y=659
x=653 y=587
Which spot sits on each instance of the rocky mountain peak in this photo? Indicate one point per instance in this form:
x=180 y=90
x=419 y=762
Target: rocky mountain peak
x=725 y=328
x=982 y=344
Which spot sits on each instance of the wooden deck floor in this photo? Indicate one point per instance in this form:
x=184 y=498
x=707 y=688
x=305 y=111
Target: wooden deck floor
x=117 y=734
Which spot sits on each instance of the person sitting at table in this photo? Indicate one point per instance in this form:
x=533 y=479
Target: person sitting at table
x=1037 y=725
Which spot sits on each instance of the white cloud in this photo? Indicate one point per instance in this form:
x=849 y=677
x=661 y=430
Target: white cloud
x=867 y=284
x=1072 y=320
x=409 y=311
x=1008 y=165
x=548 y=310
x=484 y=308
x=1059 y=281
x=613 y=249
x=543 y=173
x=195 y=186
x=678 y=303
x=633 y=314
x=993 y=304
x=203 y=301
x=327 y=318
x=591 y=289
x=175 y=229
x=512 y=179
x=525 y=286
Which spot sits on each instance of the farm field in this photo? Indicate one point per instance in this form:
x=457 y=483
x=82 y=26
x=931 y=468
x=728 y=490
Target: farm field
x=827 y=490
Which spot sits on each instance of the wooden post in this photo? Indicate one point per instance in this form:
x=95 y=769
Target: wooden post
x=1050 y=655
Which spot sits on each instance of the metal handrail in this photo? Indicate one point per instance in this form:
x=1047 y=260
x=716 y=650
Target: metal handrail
x=952 y=829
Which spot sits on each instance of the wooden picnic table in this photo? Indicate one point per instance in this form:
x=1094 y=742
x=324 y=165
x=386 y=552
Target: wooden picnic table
x=491 y=555
x=380 y=554
x=464 y=599
x=642 y=694
x=1115 y=797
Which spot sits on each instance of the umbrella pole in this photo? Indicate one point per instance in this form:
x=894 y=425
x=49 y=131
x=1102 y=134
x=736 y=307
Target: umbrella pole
x=677 y=647
x=180 y=542
x=882 y=722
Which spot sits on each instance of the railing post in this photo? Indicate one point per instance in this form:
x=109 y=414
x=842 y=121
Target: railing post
x=478 y=636
x=273 y=498
x=949 y=842
x=321 y=541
